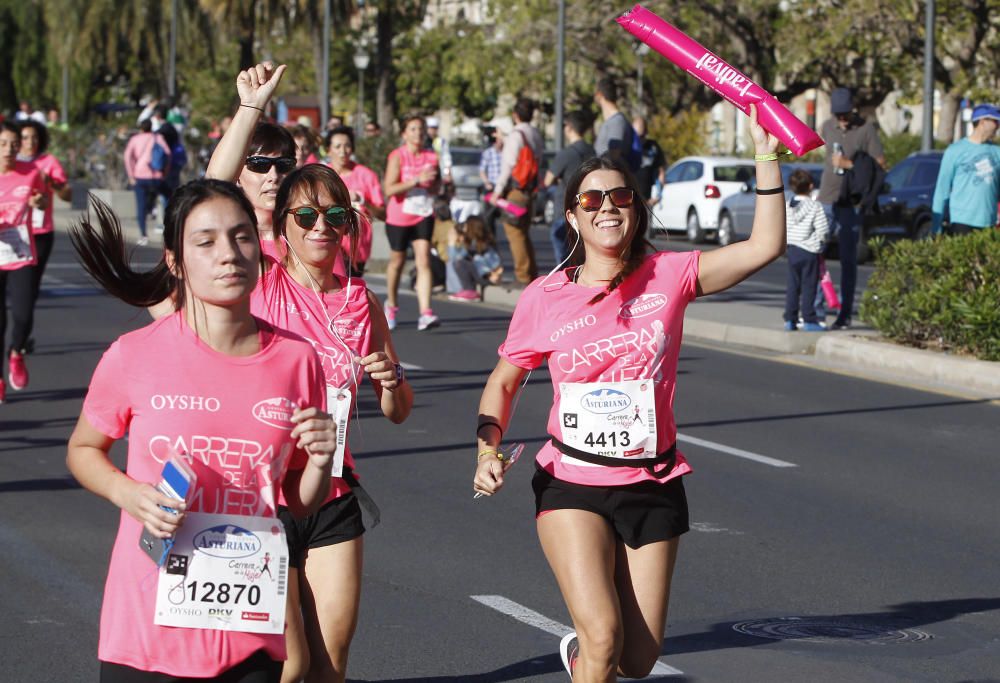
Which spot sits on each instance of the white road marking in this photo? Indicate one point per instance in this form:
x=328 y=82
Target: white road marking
x=543 y=623
x=738 y=452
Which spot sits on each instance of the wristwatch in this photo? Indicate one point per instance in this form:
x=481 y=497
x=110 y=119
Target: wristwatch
x=400 y=374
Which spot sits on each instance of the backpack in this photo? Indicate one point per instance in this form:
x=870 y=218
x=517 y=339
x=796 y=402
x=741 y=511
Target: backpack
x=525 y=172
x=158 y=158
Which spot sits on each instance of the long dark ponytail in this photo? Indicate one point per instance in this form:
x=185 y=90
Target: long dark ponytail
x=637 y=249
x=101 y=248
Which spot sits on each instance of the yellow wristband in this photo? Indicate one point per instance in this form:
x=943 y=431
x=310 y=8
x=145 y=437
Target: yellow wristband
x=495 y=454
x=771 y=156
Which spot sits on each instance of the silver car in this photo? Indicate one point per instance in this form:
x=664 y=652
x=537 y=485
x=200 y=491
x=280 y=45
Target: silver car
x=736 y=211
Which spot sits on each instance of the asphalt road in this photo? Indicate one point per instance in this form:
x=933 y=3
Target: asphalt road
x=852 y=522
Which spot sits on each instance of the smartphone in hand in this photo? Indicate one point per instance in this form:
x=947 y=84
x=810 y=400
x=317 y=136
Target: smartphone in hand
x=177 y=481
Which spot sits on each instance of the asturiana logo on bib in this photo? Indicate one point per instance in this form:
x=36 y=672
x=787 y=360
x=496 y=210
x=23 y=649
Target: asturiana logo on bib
x=605 y=401
x=642 y=305
x=276 y=412
x=227 y=541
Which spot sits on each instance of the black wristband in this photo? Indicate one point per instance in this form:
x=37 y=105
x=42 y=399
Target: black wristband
x=488 y=424
x=774 y=190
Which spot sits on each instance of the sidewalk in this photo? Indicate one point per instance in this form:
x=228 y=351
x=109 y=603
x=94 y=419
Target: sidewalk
x=749 y=317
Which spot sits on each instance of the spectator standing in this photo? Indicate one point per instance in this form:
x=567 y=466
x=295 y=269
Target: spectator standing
x=305 y=145
x=178 y=155
x=653 y=164
x=489 y=172
x=615 y=136
x=145 y=179
x=372 y=129
x=524 y=135
x=23 y=112
x=845 y=134
x=562 y=168
x=807 y=230
x=969 y=179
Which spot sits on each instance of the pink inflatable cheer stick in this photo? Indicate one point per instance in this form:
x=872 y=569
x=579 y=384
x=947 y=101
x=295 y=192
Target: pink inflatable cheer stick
x=510 y=207
x=686 y=53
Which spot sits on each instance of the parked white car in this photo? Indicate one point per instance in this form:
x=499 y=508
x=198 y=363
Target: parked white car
x=694 y=190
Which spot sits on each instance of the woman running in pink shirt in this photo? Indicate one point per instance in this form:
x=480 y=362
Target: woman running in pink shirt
x=609 y=498
x=224 y=392
x=301 y=291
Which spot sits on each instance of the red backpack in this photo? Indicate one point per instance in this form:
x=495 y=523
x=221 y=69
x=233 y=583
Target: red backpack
x=525 y=173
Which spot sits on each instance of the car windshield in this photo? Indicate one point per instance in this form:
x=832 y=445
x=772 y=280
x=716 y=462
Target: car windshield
x=733 y=174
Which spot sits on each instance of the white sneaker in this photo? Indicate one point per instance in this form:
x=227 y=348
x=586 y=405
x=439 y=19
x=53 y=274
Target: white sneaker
x=426 y=322
x=390 y=315
x=142 y=241
x=569 y=650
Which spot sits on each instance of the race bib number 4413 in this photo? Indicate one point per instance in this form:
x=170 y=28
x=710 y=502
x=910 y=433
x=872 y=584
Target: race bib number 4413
x=225 y=572
x=610 y=419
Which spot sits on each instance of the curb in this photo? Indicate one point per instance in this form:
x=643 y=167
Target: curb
x=885 y=358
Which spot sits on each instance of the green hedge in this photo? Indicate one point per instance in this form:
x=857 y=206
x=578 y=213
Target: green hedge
x=939 y=293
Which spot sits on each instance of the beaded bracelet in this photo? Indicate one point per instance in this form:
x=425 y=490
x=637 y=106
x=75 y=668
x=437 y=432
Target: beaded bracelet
x=489 y=451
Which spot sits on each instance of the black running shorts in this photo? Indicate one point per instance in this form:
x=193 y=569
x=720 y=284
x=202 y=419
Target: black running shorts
x=640 y=514
x=400 y=237
x=337 y=521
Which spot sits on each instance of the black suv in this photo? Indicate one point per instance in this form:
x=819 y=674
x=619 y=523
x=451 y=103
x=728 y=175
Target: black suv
x=904 y=204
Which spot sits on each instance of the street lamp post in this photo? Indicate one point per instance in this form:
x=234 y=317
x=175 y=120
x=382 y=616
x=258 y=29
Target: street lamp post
x=324 y=90
x=361 y=60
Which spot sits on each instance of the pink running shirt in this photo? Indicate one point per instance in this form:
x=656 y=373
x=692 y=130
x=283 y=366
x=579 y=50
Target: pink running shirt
x=281 y=300
x=50 y=166
x=165 y=387
x=410 y=165
x=363 y=181
x=16 y=188
x=623 y=337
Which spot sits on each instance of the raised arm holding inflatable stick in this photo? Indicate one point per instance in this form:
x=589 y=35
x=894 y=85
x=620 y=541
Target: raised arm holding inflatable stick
x=714 y=72
x=609 y=498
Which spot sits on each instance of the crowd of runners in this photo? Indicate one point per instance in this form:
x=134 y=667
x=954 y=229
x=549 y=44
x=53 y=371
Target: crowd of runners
x=264 y=334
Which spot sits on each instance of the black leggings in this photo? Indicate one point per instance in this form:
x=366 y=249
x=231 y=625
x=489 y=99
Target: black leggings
x=43 y=247
x=259 y=668
x=17 y=292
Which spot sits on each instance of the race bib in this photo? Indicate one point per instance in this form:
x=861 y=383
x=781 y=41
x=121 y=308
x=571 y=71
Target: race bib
x=17 y=243
x=418 y=202
x=338 y=402
x=609 y=419
x=225 y=572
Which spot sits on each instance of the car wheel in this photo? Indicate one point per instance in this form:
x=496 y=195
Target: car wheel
x=724 y=235
x=694 y=232
x=923 y=230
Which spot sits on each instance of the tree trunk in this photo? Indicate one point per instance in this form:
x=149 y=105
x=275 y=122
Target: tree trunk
x=317 y=41
x=385 y=103
x=946 y=120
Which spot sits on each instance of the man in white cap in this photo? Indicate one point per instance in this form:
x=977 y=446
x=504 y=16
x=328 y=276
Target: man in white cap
x=968 y=183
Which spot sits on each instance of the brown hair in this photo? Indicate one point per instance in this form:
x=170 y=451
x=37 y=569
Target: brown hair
x=635 y=251
x=801 y=181
x=310 y=178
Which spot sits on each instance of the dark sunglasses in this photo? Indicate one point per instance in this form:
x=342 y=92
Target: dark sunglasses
x=259 y=164
x=592 y=200
x=306 y=216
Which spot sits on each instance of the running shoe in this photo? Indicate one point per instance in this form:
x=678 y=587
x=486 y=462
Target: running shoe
x=17 y=372
x=464 y=295
x=569 y=650
x=813 y=327
x=427 y=320
x=789 y=326
x=390 y=315
x=142 y=241
x=841 y=323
